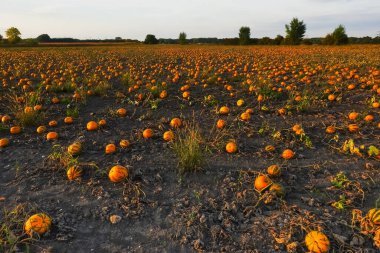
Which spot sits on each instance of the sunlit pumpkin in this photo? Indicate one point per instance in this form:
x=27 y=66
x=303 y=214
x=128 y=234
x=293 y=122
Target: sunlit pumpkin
x=374 y=216
x=121 y=112
x=317 y=242
x=168 y=135
x=118 y=173
x=52 y=136
x=38 y=223
x=148 y=133
x=287 y=154
x=231 y=147
x=353 y=128
x=15 y=130
x=220 y=123
x=4 y=142
x=274 y=170
x=124 y=144
x=176 y=123
x=110 y=149
x=224 y=110
x=53 y=123
x=75 y=148
x=330 y=130
x=92 y=126
x=261 y=183
x=74 y=172
x=68 y=120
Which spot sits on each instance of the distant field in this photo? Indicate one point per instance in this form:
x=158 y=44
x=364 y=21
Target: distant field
x=193 y=182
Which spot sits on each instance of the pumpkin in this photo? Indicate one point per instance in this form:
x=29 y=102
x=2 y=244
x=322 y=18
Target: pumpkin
x=15 y=130
x=260 y=98
x=277 y=189
x=4 y=142
x=92 y=126
x=331 y=97
x=55 y=100
x=176 y=123
x=163 y=94
x=270 y=148
x=274 y=170
x=41 y=129
x=75 y=148
x=220 y=123
x=317 y=242
x=53 y=123
x=121 y=112
x=261 y=183
x=37 y=107
x=102 y=122
x=28 y=109
x=38 y=223
x=249 y=110
x=186 y=94
x=296 y=128
x=245 y=116
x=231 y=147
x=376 y=238
x=168 y=135
x=118 y=173
x=281 y=111
x=68 y=120
x=124 y=144
x=148 y=133
x=5 y=119
x=369 y=118
x=287 y=154
x=110 y=149
x=74 y=172
x=353 y=115
x=374 y=216
x=224 y=110
x=330 y=130
x=240 y=102
x=353 y=128
x=52 y=136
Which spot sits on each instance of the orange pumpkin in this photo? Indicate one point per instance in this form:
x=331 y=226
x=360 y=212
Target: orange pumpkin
x=102 y=122
x=330 y=130
x=74 y=172
x=52 y=136
x=274 y=170
x=240 y=102
x=4 y=142
x=92 y=126
x=38 y=223
x=353 y=128
x=287 y=154
x=163 y=94
x=41 y=129
x=331 y=97
x=110 y=149
x=148 y=133
x=224 y=110
x=121 y=112
x=15 y=130
x=231 y=147
x=368 y=118
x=53 y=123
x=376 y=238
x=5 y=119
x=28 y=109
x=168 y=135
x=75 y=148
x=124 y=144
x=245 y=116
x=220 y=123
x=262 y=182
x=68 y=120
x=176 y=123
x=317 y=242
x=270 y=148
x=118 y=173
x=353 y=115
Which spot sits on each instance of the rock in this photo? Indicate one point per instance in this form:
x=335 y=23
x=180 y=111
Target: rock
x=357 y=240
x=114 y=219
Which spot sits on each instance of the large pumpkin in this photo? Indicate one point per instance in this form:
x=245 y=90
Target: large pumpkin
x=262 y=182
x=74 y=172
x=118 y=173
x=75 y=148
x=4 y=142
x=92 y=126
x=317 y=242
x=38 y=223
x=374 y=216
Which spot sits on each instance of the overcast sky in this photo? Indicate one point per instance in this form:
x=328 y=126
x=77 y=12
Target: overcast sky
x=100 y=19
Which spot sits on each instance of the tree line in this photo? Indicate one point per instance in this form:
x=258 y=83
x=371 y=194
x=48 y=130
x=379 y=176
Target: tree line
x=294 y=35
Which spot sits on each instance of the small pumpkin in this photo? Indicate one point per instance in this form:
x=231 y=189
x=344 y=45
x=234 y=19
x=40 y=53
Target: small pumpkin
x=38 y=223
x=176 y=123
x=231 y=147
x=121 y=112
x=148 y=133
x=353 y=115
x=186 y=95
x=168 y=135
x=353 y=128
x=5 y=119
x=102 y=122
x=330 y=130
x=317 y=242
x=274 y=170
x=374 y=216
x=124 y=144
x=68 y=120
x=52 y=136
x=74 y=172
x=331 y=97
x=277 y=189
x=53 y=123
x=41 y=129
x=262 y=182
x=92 y=126
x=75 y=148
x=245 y=116
x=4 y=142
x=240 y=102
x=110 y=149
x=369 y=118
x=220 y=123
x=28 y=109
x=15 y=130
x=270 y=148
x=224 y=110
x=118 y=173
x=287 y=154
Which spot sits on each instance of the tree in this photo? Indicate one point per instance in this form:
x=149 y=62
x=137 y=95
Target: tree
x=150 y=39
x=328 y=40
x=278 y=40
x=182 y=38
x=339 y=35
x=43 y=38
x=244 y=35
x=13 y=35
x=295 y=31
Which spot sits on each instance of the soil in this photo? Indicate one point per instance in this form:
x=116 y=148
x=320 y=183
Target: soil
x=216 y=208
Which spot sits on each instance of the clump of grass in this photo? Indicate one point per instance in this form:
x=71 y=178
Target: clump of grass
x=33 y=118
x=60 y=155
x=72 y=112
x=101 y=88
x=187 y=145
x=12 y=235
x=65 y=87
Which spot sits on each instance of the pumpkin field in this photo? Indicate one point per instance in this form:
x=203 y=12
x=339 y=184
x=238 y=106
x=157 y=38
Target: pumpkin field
x=196 y=148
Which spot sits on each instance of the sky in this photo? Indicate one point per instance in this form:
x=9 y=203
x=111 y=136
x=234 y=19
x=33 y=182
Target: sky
x=107 y=19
